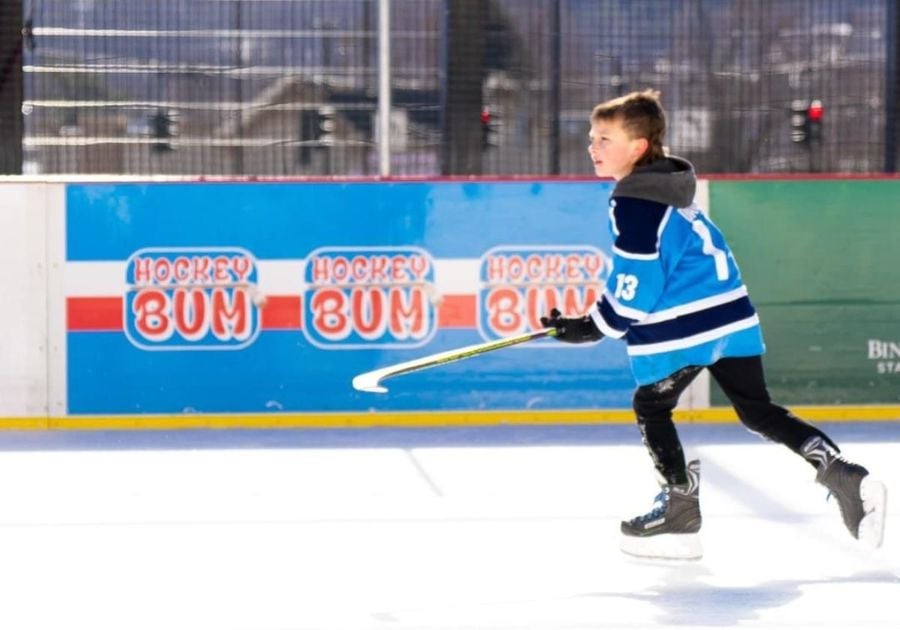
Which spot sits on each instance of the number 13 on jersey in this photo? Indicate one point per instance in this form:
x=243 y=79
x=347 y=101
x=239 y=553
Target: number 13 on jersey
x=626 y=286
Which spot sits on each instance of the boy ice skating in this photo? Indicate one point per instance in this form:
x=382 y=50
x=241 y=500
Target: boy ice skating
x=676 y=296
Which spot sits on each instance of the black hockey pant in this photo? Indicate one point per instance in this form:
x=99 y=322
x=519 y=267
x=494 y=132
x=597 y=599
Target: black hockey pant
x=743 y=381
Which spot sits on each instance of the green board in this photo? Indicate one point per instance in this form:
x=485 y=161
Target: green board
x=822 y=261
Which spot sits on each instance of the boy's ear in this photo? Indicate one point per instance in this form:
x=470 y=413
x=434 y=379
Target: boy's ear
x=641 y=146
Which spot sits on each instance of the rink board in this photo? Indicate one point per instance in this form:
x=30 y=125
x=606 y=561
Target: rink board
x=234 y=304
x=163 y=282
x=821 y=261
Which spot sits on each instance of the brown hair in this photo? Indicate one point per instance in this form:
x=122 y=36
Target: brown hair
x=642 y=116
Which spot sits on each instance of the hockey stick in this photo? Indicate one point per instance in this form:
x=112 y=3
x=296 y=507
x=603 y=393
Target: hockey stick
x=371 y=381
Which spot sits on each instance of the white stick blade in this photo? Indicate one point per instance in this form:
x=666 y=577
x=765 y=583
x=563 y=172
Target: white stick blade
x=368 y=382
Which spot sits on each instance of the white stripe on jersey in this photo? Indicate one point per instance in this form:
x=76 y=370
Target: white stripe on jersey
x=605 y=328
x=662 y=225
x=622 y=310
x=693 y=307
x=624 y=254
x=694 y=340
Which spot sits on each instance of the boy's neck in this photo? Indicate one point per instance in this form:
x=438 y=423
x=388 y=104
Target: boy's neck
x=624 y=175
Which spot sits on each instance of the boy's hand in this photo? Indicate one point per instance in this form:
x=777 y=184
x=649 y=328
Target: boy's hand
x=572 y=329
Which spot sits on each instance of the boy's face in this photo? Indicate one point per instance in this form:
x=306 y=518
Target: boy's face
x=613 y=151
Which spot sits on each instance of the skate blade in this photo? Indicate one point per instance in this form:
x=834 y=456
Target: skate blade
x=874 y=498
x=663 y=547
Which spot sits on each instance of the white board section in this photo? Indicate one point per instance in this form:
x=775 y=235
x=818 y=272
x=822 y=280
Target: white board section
x=23 y=320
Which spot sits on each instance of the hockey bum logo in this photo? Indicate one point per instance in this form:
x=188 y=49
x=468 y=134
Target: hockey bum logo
x=374 y=297
x=521 y=283
x=191 y=299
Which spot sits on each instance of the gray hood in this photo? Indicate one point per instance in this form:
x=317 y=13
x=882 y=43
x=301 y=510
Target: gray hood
x=670 y=180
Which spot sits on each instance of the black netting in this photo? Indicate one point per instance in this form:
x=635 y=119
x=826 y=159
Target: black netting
x=290 y=87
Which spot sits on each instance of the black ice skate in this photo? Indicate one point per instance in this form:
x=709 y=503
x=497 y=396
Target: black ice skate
x=861 y=499
x=670 y=529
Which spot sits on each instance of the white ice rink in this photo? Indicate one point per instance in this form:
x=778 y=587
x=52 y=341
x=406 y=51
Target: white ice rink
x=512 y=528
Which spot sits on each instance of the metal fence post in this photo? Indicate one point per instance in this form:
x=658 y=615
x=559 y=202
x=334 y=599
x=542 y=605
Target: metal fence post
x=384 y=88
x=892 y=77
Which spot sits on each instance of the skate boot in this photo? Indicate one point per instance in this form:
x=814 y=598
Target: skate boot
x=670 y=529
x=861 y=499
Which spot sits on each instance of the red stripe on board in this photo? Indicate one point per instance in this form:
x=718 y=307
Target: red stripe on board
x=105 y=313
x=457 y=311
x=94 y=313
x=281 y=312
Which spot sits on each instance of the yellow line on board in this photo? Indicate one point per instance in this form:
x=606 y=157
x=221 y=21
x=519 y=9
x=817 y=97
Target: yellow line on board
x=717 y=415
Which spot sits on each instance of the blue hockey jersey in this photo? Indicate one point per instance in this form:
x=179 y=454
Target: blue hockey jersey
x=675 y=293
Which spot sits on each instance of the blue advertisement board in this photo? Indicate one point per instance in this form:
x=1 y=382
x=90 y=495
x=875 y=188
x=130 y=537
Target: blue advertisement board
x=269 y=297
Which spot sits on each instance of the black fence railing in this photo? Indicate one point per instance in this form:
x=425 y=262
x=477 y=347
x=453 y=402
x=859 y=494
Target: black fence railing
x=290 y=87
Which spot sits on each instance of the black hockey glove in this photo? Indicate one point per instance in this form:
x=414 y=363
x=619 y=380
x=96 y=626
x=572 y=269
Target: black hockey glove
x=572 y=329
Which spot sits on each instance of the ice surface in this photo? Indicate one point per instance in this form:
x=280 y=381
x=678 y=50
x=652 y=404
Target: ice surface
x=460 y=529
